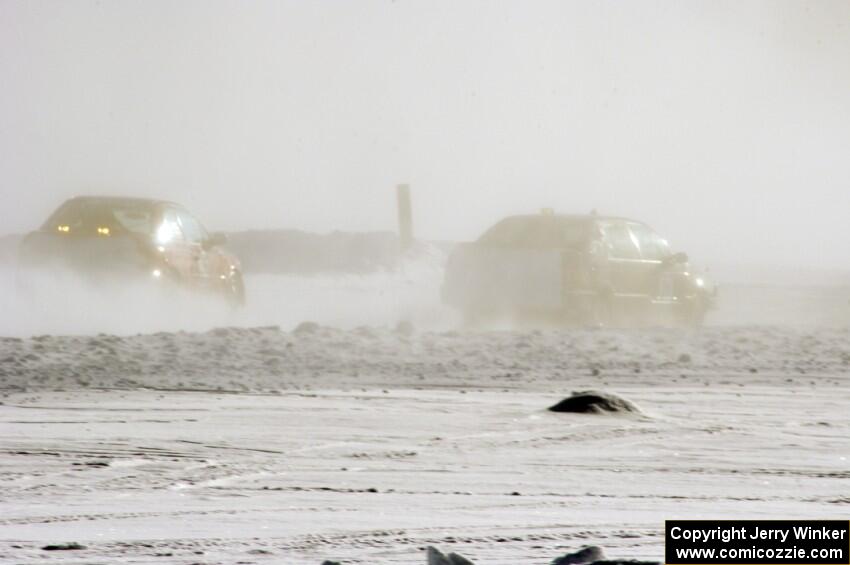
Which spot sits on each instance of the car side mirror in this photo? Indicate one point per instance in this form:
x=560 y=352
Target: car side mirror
x=216 y=238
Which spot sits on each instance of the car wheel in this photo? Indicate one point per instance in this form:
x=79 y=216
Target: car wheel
x=692 y=313
x=601 y=310
x=235 y=290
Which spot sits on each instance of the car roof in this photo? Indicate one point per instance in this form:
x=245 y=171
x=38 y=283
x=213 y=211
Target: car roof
x=571 y=217
x=123 y=200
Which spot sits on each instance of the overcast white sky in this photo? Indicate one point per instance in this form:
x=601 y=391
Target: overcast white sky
x=726 y=125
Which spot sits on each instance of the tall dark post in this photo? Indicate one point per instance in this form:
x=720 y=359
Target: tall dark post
x=405 y=217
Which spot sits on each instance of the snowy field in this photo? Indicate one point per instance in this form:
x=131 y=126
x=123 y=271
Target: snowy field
x=357 y=441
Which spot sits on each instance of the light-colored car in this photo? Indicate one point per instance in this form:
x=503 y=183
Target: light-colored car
x=587 y=269
x=111 y=239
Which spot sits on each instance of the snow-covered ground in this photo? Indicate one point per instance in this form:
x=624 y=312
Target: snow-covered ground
x=368 y=445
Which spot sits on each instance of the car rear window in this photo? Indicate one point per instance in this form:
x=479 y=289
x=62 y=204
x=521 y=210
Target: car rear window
x=540 y=231
x=87 y=216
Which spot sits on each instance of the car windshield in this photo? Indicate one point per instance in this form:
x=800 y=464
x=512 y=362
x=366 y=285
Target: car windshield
x=94 y=216
x=539 y=231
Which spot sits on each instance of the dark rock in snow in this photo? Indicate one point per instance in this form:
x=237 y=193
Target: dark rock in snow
x=436 y=557
x=329 y=562
x=593 y=402
x=587 y=554
x=456 y=559
x=63 y=546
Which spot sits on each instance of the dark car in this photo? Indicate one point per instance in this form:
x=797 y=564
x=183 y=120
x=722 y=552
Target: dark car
x=133 y=239
x=590 y=269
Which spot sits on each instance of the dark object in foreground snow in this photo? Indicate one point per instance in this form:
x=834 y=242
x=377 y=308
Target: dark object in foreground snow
x=587 y=554
x=435 y=557
x=63 y=546
x=624 y=562
x=593 y=402
x=593 y=555
x=590 y=555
